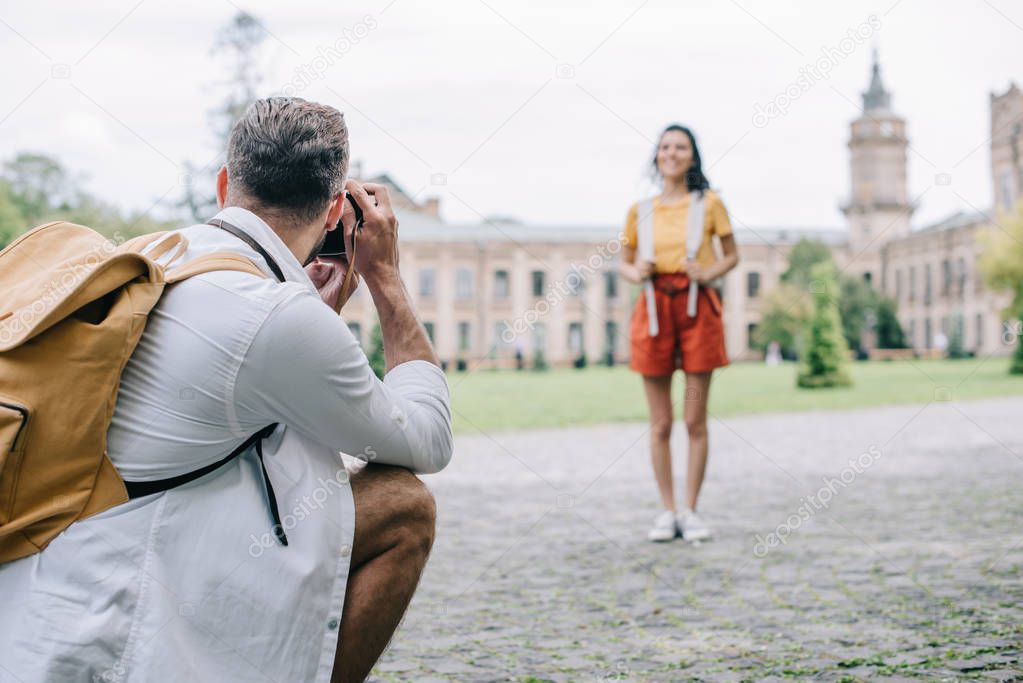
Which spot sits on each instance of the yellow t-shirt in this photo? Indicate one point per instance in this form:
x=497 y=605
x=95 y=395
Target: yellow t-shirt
x=670 y=231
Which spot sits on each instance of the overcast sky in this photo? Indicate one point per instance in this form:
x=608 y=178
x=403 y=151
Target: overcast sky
x=546 y=111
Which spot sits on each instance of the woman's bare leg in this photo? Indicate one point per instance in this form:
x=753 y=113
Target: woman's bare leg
x=658 y=397
x=695 y=414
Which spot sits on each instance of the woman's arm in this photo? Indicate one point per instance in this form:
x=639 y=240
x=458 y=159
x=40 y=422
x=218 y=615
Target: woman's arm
x=707 y=273
x=632 y=271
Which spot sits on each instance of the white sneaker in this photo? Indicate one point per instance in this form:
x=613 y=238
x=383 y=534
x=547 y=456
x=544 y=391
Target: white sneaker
x=692 y=527
x=664 y=528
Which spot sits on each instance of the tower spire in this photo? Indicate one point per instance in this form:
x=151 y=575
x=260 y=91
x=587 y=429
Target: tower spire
x=876 y=96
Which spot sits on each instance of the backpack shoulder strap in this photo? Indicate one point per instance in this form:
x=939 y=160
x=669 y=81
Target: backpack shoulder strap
x=212 y=262
x=694 y=238
x=694 y=224
x=645 y=251
x=645 y=229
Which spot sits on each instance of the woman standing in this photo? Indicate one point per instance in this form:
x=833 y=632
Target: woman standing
x=672 y=333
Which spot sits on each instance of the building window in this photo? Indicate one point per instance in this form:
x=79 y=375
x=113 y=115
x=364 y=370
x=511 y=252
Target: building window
x=912 y=334
x=927 y=287
x=427 y=282
x=429 y=330
x=463 y=336
x=912 y=283
x=611 y=284
x=961 y=276
x=1006 y=181
x=928 y=334
x=356 y=329
x=751 y=335
x=946 y=277
x=752 y=284
x=539 y=279
x=898 y=286
x=980 y=332
x=463 y=284
x=501 y=287
x=575 y=338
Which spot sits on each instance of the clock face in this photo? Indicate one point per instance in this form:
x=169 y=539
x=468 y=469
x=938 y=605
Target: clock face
x=887 y=130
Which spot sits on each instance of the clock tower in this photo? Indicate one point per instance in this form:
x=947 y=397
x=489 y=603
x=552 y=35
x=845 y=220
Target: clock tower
x=878 y=209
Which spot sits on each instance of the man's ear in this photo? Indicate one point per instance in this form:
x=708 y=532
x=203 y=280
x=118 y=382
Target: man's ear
x=221 y=186
x=334 y=212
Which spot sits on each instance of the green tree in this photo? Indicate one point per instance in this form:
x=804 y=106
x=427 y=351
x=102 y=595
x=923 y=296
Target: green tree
x=804 y=256
x=376 y=351
x=786 y=311
x=36 y=188
x=238 y=46
x=1001 y=263
x=12 y=223
x=1016 y=367
x=41 y=188
x=889 y=331
x=956 y=347
x=856 y=300
x=826 y=358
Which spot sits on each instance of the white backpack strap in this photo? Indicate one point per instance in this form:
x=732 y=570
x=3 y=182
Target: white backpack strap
x=694 y=237
x=645 y=249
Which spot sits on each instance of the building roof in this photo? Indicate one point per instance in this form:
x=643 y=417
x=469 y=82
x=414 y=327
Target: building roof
x=876 y=96
x=790 y=235
x=959 y=219
x=418 y=227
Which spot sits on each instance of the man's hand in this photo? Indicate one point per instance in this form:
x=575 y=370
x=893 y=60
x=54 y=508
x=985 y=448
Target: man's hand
x=376 y=254
x=328 y=275
x=376 y=259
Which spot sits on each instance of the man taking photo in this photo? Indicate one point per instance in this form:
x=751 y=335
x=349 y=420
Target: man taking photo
x=278 y=565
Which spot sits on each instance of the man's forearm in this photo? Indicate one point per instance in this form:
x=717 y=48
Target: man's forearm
x=404 y=338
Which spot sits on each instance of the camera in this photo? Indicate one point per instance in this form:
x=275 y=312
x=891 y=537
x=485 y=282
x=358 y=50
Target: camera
x=334 y=245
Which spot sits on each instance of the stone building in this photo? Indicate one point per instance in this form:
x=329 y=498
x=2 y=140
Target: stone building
x=494 y=292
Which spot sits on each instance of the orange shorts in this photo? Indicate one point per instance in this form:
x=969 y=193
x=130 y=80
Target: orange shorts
x=693 y=344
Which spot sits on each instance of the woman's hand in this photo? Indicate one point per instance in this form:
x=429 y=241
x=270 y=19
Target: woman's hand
x=636 y=272
x=700 y=272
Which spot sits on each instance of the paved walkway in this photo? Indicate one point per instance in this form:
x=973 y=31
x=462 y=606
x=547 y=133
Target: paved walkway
x=905 y=565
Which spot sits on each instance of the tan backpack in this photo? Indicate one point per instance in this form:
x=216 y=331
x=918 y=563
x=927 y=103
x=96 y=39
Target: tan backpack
x=73 y=306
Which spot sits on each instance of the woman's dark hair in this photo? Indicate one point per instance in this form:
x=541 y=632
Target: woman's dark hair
x=695 y=179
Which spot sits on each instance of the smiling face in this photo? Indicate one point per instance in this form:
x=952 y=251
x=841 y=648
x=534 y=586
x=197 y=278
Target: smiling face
x=674 y=155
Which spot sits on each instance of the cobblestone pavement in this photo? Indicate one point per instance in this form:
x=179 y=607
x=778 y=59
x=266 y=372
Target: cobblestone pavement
x=910 y=566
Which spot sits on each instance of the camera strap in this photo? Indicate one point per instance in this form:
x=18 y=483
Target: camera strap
x=247 y=238
x=349 y=274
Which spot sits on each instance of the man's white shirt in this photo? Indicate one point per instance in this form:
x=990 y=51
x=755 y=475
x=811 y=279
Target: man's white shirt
x=191 y=584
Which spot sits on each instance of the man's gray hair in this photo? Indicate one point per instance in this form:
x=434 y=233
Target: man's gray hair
x=290 y=155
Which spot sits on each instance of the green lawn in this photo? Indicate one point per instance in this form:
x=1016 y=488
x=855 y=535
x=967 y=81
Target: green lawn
x=488 y=400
